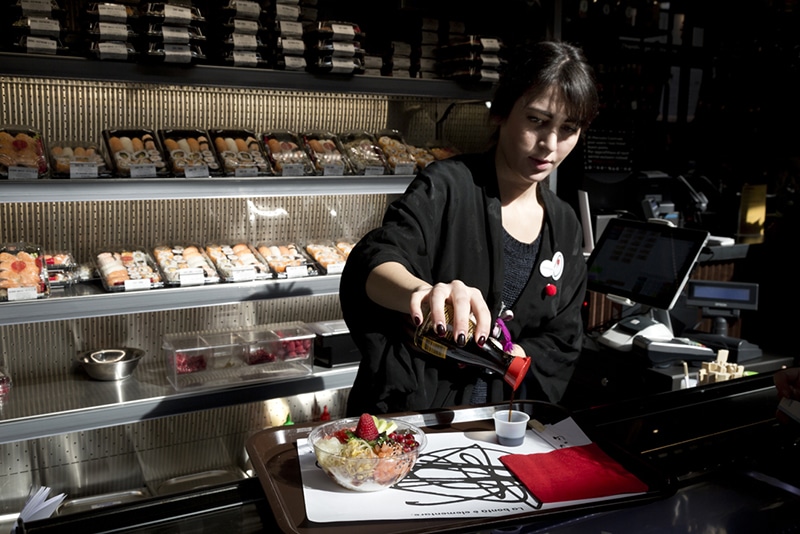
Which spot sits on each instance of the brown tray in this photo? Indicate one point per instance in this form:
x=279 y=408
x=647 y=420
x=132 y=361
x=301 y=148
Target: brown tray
x=273 y=454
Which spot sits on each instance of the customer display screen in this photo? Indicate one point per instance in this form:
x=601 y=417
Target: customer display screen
x=647 y=263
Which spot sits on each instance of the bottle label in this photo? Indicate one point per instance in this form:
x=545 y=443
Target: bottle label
x=431 y=347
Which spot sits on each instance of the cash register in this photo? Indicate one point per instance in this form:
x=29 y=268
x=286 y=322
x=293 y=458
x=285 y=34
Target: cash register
x=647 y=264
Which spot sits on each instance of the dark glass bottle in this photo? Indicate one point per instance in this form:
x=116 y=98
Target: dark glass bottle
x=490 y=356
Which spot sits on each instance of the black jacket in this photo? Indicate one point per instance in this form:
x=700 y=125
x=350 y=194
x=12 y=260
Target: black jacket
x=448 y=226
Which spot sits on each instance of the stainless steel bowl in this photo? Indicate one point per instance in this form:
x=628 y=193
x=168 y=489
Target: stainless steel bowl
x=110 y=364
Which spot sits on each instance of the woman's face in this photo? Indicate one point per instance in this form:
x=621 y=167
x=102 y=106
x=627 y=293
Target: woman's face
x=535 y=138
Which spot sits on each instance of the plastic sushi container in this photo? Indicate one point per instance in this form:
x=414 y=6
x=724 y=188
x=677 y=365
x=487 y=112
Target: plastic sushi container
x=333 y=30
x=442 y=150
x=422 y=156
x=23 y=154
x=78 y=159
x=244 y=59
x=239 y=262
x=241 y=9
x=135 y=153
x=363 y=153
x=61 y=269
x=335 y=65
x=190 y=153
x=241 y=153
x=128 y=269
x=328 y=255
x=289 y=62
x=398 y=157
x=48 y=46
x=163 y=34
x=326 y=153
x=174 y=15
x=46 y=8
x=23 y=272
x=182 y=54
x=185 y=265
x=111 y=12
x=118 y=32
x=287 y=153
x=37 y=26
x=287 y=261
x=113 y=51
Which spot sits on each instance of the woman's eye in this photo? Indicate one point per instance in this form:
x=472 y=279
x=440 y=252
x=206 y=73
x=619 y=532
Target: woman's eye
x=570 y=128
x=535 y=120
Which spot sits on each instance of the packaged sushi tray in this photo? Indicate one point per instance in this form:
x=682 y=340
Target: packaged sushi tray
x=185 y=54
x=128 y=269
x=190 y=153
x=442 y=150
x=23 y=272
x=173 y=15
x=118 y=32
x=111 y=12
x=61 y=269
x=334 y=31
x=287 y=153
x=241 y=153
x=30 y=44
x=397 y=155
x=335 y=65
x=135 y=153
x=113 y=51
x=38 y=8
x=185 y=265
x=326 y=153
x=239 y=262
x=22 y=154
x=422 y=156
x=287 y=261
x=363 y=153
x=37 y=26
x=244 y=59
x=78 y=159
x=241 y=9
x=330 y=256
x=163 y=34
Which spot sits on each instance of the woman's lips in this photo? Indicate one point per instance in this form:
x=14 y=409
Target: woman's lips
x=540 y=164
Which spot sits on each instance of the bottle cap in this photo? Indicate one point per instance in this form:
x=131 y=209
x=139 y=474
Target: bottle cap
x=517 y=370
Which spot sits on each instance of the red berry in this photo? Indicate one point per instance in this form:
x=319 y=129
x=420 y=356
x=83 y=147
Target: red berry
x=366 y=428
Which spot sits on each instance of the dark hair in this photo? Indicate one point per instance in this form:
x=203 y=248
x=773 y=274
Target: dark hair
x=533 y=69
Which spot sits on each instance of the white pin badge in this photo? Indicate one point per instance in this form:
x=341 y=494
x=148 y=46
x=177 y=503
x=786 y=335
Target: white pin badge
x=553 y=268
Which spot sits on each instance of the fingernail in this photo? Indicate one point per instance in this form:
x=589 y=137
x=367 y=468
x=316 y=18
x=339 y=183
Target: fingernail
x=417 y=320
x=462 y=339
x=481 y=341
x=440 y=329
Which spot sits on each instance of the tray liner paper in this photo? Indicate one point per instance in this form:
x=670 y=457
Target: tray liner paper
x=459 y=475
x=583 y=472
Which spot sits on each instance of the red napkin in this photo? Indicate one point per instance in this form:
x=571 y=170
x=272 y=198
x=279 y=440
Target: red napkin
x=572 y=473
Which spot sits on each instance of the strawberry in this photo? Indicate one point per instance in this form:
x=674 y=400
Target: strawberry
x=366 y=428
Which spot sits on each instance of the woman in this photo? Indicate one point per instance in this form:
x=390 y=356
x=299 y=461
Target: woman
x=484 y=234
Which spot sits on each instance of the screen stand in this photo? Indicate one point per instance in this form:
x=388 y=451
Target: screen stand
x=653 y=324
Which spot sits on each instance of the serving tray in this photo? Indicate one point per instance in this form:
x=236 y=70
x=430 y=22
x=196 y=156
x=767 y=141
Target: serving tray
x=274 y=456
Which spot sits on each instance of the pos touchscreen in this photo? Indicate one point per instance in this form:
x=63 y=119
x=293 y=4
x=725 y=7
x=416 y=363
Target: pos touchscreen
x=644 y=262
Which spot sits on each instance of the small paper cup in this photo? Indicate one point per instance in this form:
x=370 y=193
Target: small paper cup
x=510 y=432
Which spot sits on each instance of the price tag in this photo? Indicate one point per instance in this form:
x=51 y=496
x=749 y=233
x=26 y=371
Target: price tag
x=374 y=170
x=245 y=59
x=241 y=26
x=335 y=268
x=22 y=173
x=191 y=277
x=245 y=172
x=296 y=271
x=247 y=9
x=112 y=50
x=196 y=171
x=404 y=168
x=82 y=169
x=181 y=16
x=243 y=274
x=142 y=170
x=333 y=169
x=22 y=293
x=137 y=285
x=345 y=49
x=113 y=31
x=293 y=169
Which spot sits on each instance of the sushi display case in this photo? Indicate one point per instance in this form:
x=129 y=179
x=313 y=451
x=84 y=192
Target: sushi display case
x=260 y=353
